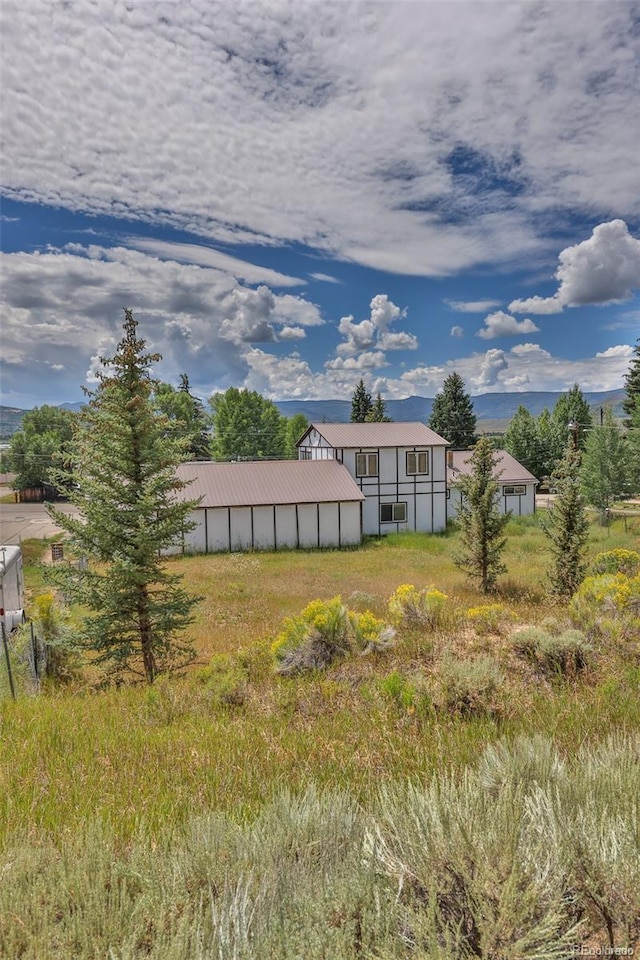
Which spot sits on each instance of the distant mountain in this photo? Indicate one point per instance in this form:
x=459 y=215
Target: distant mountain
x=489 y=406
x=498 y=408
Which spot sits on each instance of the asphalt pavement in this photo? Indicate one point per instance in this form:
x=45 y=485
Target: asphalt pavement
x=22 y=521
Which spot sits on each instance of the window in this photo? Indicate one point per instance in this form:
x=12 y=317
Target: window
x=417 y=462
x=515 y=491
x=366 y=464
x=305 y=453
x=393 y=512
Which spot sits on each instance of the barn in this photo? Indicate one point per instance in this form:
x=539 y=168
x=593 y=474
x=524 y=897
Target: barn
x=270 y=505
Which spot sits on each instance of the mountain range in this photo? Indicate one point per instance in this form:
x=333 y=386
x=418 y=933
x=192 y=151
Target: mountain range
x=493 y=410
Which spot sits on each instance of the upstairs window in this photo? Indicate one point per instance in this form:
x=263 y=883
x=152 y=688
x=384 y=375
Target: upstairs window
x=393 y=512
x=516 y=490
x=366 y=464
x=417 y=463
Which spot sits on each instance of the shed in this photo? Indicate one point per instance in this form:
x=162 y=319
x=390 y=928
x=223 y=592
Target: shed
x=516 y=485
x=270 y=505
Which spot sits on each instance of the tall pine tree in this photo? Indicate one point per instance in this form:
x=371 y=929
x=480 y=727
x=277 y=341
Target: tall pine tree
x=125 y=487
x=361 y=404
x=632 y=385
x=571 y=409
x=452 y=414
x=480 y=520
x=378 y=412
x=603 y=473
x=567 y=527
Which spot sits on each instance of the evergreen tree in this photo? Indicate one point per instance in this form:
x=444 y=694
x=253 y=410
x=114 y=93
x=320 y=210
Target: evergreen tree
x=551 y=444
x=522 y=441
x=378 y=412
x=633 y=448
x=131 y=507
x=187 y=417
x=361 y=404
x=452 y=415
x=480 y=520
x=247 y=426
x=567 y=527
x=571 y=408
x=632 y=385
x=603 y=473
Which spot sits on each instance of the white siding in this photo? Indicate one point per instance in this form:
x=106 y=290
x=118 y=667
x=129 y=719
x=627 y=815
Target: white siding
x=220 y=529
x=521 y=506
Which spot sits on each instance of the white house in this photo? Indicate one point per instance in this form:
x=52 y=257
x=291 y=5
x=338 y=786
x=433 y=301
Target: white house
x=516 y=486
x=400 y=468
x=270 y=505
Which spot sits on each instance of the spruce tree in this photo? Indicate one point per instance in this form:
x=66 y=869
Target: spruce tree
x=480 y=520
x=186 y=416
x=571 y=408
x=603 y=473
x=521 y=440
x=361 y=404
x=566 y=525
x=124 y=485
x=452 y=415
x=633 y=448
x=378 y=412
x=632 y=385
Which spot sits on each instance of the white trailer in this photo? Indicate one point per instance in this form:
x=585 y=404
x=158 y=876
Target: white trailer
x=11 y=587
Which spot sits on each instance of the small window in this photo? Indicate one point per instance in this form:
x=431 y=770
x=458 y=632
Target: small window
x=517 y=490
x=393 y=512
x=366 y=464
x=305 y=453
x=417 y=463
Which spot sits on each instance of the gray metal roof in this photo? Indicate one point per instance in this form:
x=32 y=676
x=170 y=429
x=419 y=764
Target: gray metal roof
x=259 y=482
x=508 y=469
x=354 y=435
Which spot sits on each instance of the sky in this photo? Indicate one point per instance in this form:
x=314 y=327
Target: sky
x=292 y=196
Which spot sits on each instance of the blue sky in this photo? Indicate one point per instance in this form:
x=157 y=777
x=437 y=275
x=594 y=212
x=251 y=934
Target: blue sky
x=292 y=195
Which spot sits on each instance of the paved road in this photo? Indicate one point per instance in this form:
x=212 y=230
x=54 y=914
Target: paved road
x=21 y=521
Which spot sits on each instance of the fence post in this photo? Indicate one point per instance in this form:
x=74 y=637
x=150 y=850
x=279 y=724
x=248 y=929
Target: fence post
x=34 y=653
x=6 y=653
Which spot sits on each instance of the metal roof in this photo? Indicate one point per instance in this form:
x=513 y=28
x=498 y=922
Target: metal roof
x=260 y=482
x=354 y=435
x=508 y=469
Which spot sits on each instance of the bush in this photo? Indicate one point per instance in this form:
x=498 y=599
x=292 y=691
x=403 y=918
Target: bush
x=324 y=631
x=562 y=654
x=617 y=561
x=607 y=604
x=426 y=607
x=225 y=680
x=490 y=618
x=467 y=687
x=55 y=657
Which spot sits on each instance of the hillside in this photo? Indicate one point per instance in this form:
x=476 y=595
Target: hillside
x=498 y=408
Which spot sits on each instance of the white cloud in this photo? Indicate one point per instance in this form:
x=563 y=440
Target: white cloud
x=292 y=333
x=529 y=350
x=472 y=306
x=258 y=128
x=502 y=324
x=603 y=269
x=370 y=360
x=208 y=257
x=457 y=332
x=493 y=363
x=374 y=331
x=621 y=350
x=325 y=277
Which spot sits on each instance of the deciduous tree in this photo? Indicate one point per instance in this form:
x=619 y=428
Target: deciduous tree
x=480 y=520
x=124 y=484
x=452 y=415
x=571 y=408
x=246 y=426
x=39 y=446
x=295 y=427
x=521 y=440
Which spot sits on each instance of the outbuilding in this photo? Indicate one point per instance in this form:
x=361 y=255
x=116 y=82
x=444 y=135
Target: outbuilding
x=270 y=505
x=516 y=485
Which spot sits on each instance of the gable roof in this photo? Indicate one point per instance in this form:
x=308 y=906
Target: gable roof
x=508 y=469
x=266 y=482
x=354 y=435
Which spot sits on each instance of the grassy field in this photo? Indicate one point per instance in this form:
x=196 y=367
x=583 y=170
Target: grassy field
x=138 y=762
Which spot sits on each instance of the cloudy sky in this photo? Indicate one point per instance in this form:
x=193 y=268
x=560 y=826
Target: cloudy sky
x=294 y=195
